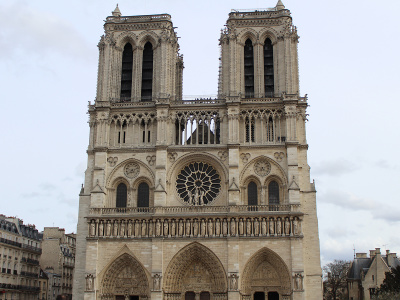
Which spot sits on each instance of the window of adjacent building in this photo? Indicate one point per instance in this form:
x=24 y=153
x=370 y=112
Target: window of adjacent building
x=143 y=195
x=268 y=68
x=273 y=193
x=126 y=74
x=147 y=72
x=122 y=195
x=248 y=69
x=252 y=193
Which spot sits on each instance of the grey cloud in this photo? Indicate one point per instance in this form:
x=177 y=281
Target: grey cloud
x=349 y=201
x=334 y=167
x=27 y=31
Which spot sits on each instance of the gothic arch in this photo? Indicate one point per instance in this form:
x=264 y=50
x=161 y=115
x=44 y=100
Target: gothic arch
x=266 y=271
x=135 y=186
x=125 y=275
x=268 y=33
x=245 y=186
x=126 y=37
x=195 y=268
x=118 y=168
x=280 y=173
x=248 y=34
x=148 y=36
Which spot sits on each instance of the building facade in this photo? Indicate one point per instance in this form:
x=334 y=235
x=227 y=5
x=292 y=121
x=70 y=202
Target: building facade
x=205 y=198
x=20 y=249
x=59 y=256
x=367 y=273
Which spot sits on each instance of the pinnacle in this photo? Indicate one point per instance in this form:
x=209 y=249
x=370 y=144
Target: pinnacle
x=116 y=12
x=279 y=5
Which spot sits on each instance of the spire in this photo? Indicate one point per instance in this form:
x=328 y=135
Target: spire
x=279 y=5
x=116 y=12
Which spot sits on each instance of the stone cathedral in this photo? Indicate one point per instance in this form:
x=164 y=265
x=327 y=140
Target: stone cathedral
x=205 y=198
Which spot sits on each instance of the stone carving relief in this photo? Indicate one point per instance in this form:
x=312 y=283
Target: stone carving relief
x=223 y=155
x=172 y=156
x=245 y=157
x=157 y=282
x=89 y=283
x=151 y=159
x=262 y=167
x=279 y=156
x=112 y=161
x=132 y=170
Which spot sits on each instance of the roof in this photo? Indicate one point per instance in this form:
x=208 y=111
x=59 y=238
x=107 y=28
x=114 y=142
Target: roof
x=358 y=265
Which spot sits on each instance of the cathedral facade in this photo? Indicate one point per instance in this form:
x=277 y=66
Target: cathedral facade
x=199 y=199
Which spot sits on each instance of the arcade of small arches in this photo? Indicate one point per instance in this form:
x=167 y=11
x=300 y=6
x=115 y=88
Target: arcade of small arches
x=196 y=273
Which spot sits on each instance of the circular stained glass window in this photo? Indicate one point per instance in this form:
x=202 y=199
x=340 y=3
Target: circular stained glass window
x=198 y=183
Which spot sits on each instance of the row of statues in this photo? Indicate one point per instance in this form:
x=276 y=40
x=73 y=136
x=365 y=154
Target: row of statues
x=211 y=227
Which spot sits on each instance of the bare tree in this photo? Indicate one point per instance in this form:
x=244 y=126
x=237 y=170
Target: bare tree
x=335 y=280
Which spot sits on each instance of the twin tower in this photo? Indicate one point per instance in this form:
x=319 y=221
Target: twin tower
x=198 y=199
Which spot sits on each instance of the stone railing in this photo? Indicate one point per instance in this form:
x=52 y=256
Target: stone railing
x=188 y=210
x=269 y=225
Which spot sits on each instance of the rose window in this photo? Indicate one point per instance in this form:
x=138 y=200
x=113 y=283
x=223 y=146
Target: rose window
x=198 y=183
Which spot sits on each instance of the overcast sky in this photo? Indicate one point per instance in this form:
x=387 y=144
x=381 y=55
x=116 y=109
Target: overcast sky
x=349 y=67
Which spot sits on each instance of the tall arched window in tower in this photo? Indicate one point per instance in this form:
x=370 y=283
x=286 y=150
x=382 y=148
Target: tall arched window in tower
x=252 y=194
x=273 y=193
x=268 y=68
x=147 y=72
x=122 y=195
x=126 y=74
x=143 y=199
x=248 y=69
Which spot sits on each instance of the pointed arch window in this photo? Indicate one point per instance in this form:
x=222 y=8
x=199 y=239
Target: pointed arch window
x=126 y=74
x=143 y=195
x=268 y=68
x=248 y=69
x=122 y=195
x=273 y=193
x=147 y=72
x=252 y=197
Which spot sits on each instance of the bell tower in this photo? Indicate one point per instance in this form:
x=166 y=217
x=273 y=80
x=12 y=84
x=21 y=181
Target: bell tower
x=201 y=198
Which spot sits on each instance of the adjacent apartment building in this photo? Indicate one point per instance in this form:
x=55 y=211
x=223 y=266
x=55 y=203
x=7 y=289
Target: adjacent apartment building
x=20 y=250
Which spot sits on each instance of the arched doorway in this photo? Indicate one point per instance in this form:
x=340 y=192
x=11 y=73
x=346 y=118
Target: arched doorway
x=195 y=273
x=125 y=279
x=266 y=277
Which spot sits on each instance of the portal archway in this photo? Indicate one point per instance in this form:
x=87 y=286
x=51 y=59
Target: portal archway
x=266 y=273
x=195 y=269
x=125 y=278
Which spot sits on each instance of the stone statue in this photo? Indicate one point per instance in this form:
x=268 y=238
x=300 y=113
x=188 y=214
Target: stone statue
x=195 y=228
x=298 y=279
x=190 y=197
x=180 y=228
x=202 y=198
x=122 y=233
x=156 y=282
x=241 y=227
x=278 y=226
x=143 y=228
x=271 y=226
x=295 y=226
x=210 y=227
x=108 y=229
x=129 y=229
x=203 y=228
x=196 y=197
x=217 y=227
x=287 y=226
x=233 y=226
x=101 y=228
x=225 y=227
x=137 y=228
x=165 y=227
x=256 y=227
x=188 y=226
x=173 y=228
x=115 y=233
x=158 y=228
x=248 y=227
x=234 y=282
x=150 y=228
x=89 y=282
x=92 y=229
x=264 y=227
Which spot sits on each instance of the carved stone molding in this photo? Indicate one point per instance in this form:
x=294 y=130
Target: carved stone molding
x=112 y=161
x=151 y=159
x=245 y=157
x=279 y=156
